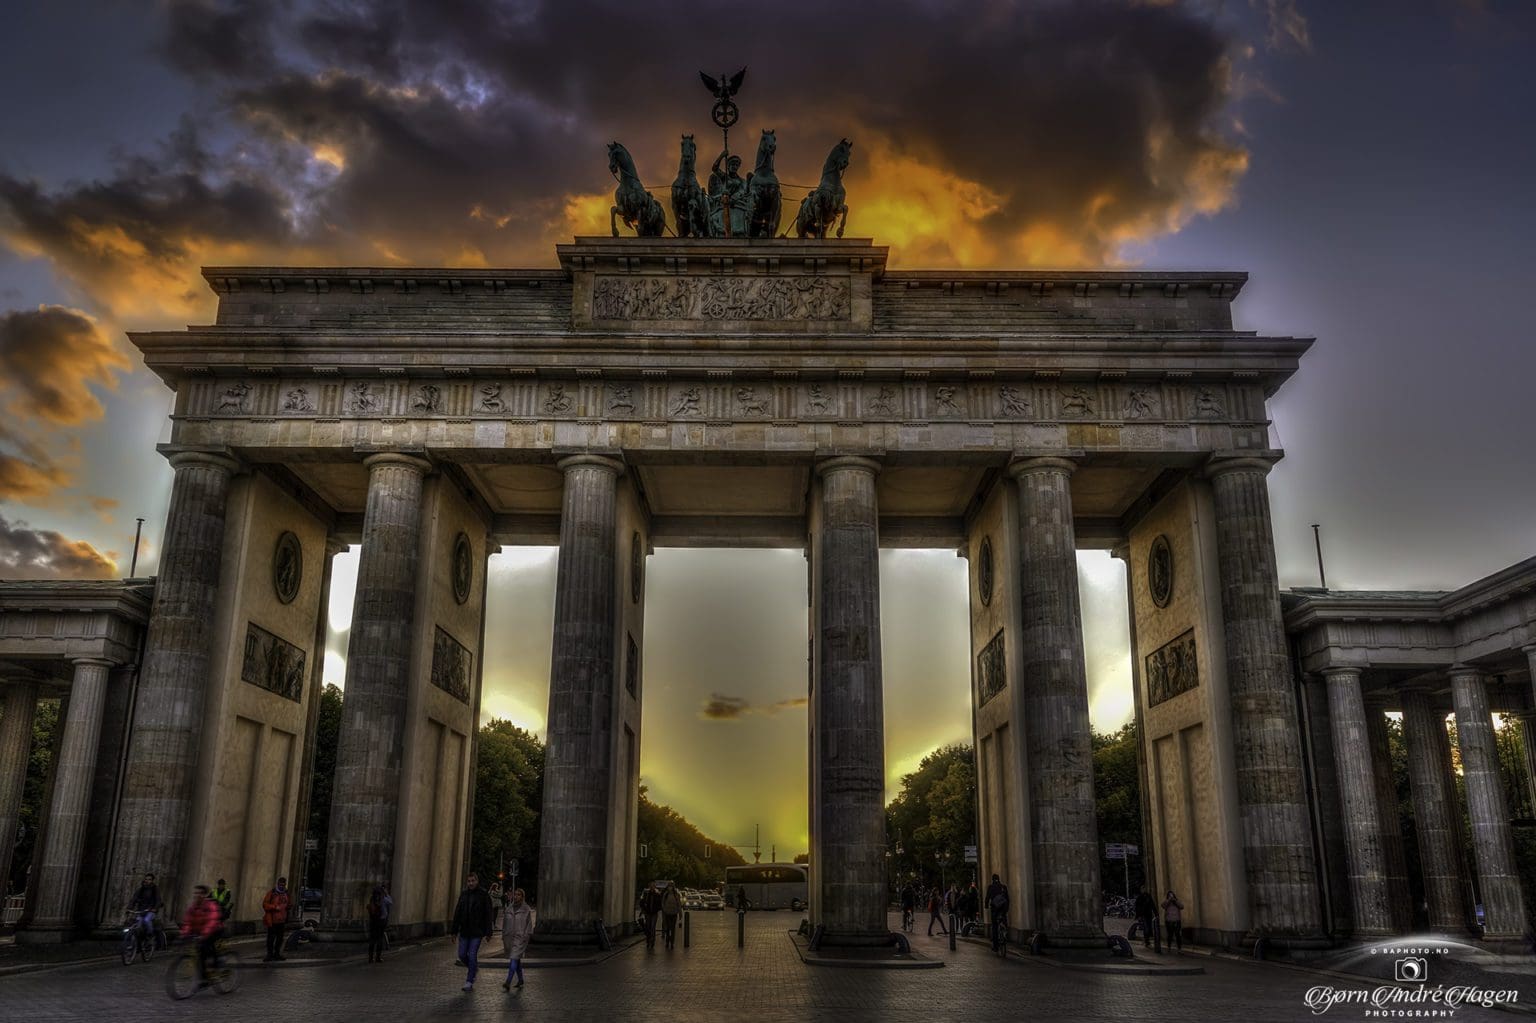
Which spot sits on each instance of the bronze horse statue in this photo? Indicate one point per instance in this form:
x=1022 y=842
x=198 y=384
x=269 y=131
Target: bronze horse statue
x=631 y=201
x=764 y=204
x=689 y=210
x=827 y=203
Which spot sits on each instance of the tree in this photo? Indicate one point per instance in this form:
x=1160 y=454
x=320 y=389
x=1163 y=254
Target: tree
x=327 y=737
x=1117 y=802
x=933 y=817
x=509 y=793
x=675 y=850
x=45 y=734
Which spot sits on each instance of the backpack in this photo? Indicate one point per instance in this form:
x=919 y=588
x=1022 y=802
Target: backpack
x=999 y=901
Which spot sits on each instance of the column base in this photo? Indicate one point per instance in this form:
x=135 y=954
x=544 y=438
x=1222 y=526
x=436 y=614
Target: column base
x=1074 y=939
x=47 y=934
x=574 y=933
x=857 y=939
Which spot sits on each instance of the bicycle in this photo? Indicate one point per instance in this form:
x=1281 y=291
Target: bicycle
x=1000 y=934
x=138 y=940
x=908 y=920
x=223 y=973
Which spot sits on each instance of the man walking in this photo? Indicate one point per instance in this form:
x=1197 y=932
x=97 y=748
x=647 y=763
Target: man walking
x=1146 y=915
x=671 y=906
x=936 y=912
x=516 y=929
x=274 y=913
x=650 y=905
x=472 y=920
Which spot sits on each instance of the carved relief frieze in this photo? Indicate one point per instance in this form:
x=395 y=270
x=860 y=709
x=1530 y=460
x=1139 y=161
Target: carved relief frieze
x=361 y=399
x=1076 y=403
x=450 y=665
x=946 y=400
x=1140 y=403
x=621 y=399
x=881 y=403
x=750 y=401
x=427 y=399
x=272 y=663
x=1209 y=404
x=1012 y=401
x=1172 y=669
x=297 y=399
x=991 y=670
x=232 y=400
x=685 y=402
x=817 y=401
x=489 y=399
x=557 y=402
x=721 y=298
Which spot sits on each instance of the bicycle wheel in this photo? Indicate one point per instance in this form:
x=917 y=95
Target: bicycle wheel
x=181 y=978
x=130 y=947
x=146 y=948
x=226 y=977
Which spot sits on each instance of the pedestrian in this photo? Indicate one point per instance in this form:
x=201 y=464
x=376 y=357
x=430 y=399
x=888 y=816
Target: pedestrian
x=741 y=899
x=376 y=923
x=650 y=905
x=274 y=913
x=936 y=913
x=671 y=906
x=224 y=899
x=908 y=907
x=1173 y=916
x=472 y=919
x=970 y=904
x=1146 y=915
x=516 y=929
x=997 y=904
x=498 y=903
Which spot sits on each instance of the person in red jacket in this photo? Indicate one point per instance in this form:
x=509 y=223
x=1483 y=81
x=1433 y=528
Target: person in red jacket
x=203 y=923
x=274 y=913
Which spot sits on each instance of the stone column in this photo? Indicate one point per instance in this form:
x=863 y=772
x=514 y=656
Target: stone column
x=573 y=837
x=59 y=864
x=850 y=714
x=1528 y=730
x=301 y=814
x=159 y=778
x=15 y=754
x=1277 y=832
x=365 y=798
x=1369 y=894
x=1398 y=892
x=1433 y=812
x=1058 y=744
x=1492 y=841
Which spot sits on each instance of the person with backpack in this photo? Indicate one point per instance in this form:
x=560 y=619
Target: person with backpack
x=997 y=905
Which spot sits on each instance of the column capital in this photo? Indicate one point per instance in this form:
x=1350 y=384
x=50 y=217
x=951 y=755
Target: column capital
x=180 y=457
x=1121 y=551
x=596 y=461
x=1036 y=464
x=841 y=463
x=1223 y=462
x=335 y=545
x=398 y=458
x=1456 y=671
x=1339 y=671
x=89 y=662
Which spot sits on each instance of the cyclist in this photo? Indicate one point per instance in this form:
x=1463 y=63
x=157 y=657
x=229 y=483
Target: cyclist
x=908 y=907
x=997 y=902
x=146 y=905
x=203 y=924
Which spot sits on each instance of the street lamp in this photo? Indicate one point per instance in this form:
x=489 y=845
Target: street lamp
x=943 y=858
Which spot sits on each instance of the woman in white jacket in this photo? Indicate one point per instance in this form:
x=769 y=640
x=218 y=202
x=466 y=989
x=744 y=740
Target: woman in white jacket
x=515 y=932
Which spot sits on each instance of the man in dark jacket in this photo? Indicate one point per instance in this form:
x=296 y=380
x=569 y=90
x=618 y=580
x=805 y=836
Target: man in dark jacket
x=472 y=922
x=650 y=905
x=997 y=904
x=1146 y=914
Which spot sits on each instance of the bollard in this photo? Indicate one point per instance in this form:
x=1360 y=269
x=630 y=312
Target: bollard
x=741 y=928
x=954 y=925
x=686 y=935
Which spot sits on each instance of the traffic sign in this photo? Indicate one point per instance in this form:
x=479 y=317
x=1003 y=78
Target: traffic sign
x=311 y=844
x=970 y=854
x=1114 y=851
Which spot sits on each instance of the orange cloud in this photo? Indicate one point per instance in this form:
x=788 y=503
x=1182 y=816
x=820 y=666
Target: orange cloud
x=48 y=358
x=27 y=553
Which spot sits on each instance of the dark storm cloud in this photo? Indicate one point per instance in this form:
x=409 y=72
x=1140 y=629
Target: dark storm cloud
x=49 y=357
x=473 y=132
x=27 y=553
x=720 y=707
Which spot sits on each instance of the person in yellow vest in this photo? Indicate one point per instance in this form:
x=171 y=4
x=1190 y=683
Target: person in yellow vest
x=224 y=898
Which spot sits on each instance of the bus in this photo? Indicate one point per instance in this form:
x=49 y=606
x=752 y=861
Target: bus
x=768 y=885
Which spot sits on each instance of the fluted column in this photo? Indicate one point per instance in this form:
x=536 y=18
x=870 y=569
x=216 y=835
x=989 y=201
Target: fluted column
x=159 y=779
x=849 y=846
x=15 y=753
x=1528 y=729
x=1396 y=862
x=578 y=767
x=1492 y=842
x=365 y=799
x=1271 y=791
x=1434 y=822
x=53 y=892
x=1369 y=895
x=1058 y=743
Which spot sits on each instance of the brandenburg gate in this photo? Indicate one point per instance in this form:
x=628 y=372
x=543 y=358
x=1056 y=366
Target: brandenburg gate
x=711 y=392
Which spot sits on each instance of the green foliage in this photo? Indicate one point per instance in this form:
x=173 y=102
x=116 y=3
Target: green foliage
x=1117 y=802
x=933 y=817
x=678 y=851
x=45 y=739
x=327 y=738
x=509 y=792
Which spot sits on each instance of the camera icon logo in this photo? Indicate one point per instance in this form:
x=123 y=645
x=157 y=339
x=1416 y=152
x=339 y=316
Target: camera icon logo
x=1411 y=970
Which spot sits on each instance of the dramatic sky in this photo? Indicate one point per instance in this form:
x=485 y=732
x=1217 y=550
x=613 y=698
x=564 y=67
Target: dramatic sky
x=1367 y=162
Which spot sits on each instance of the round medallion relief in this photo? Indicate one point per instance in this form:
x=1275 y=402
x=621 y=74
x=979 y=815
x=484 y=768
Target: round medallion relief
x=463 y=568
x=1160 y=571
x=984 y=571
x=636 y=565
x=287 y=567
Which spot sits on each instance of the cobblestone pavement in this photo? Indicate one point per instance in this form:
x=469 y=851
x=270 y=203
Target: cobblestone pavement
x=711 y=981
